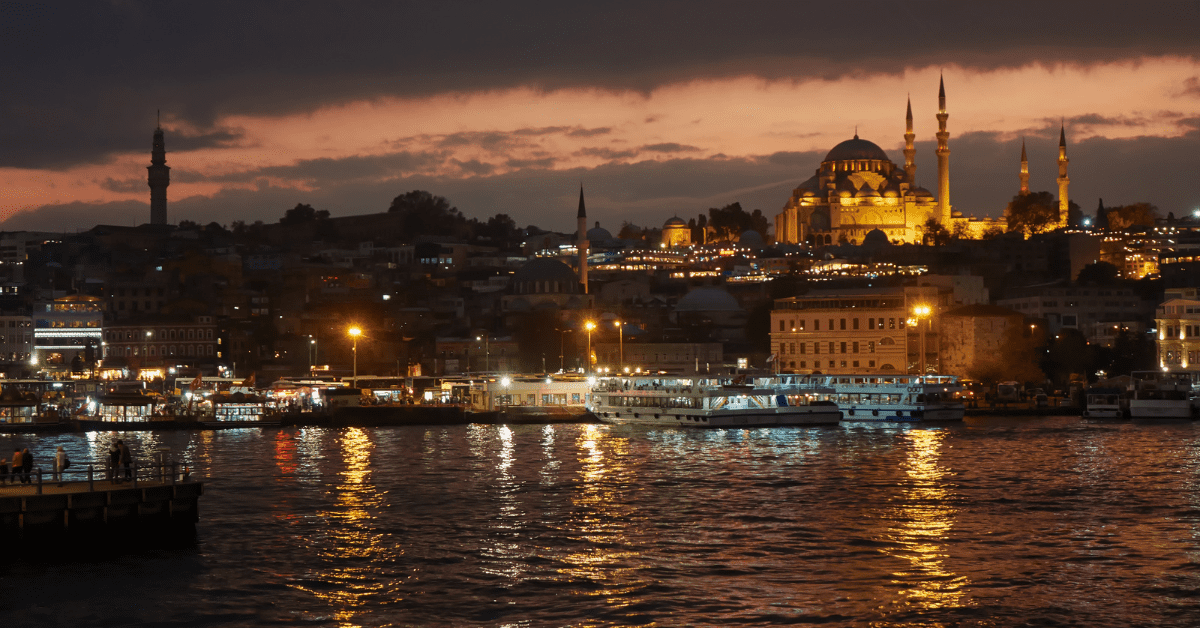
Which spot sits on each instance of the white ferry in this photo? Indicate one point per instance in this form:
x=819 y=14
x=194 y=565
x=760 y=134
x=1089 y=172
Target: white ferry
x=703 y=402
x=1158 y=395
x=877 y=397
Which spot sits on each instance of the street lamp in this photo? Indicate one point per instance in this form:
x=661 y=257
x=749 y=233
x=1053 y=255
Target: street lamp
x=589 y=326
x=487 y=353
x=562 y=346
x=922 y=313
x=355 y=333
x=620 y=341
x=312 y=346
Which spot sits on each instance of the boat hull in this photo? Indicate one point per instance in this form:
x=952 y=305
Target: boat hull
x=1161 y=409
x=790 y=416
x=903 y=414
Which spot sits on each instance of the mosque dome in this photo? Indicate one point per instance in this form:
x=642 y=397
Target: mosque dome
x=751 y=239
x=856 y=149
x=544 y=275
x=875 y=239
x=708 y=299
x=598 y=234
x=675 y=223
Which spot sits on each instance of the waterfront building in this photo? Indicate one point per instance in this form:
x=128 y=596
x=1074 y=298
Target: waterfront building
x=16 y=342
x=474 y=354
x=859 y=330
x=150 y=347
x=1092 y=310
x=66 y=330
x=1177 y=320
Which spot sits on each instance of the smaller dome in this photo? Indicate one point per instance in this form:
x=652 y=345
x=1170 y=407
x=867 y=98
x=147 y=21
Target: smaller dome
x=598 y=234
x=675 y=223
x=708 y=299
x=875 y=239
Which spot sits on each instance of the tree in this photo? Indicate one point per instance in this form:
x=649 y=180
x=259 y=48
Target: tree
x=1100 y=273
x=189 y=224
x=301 y=214
x=1126 y=216
x=935 y=232
x=425 y=214
x=630 y=231
x=1036 y=212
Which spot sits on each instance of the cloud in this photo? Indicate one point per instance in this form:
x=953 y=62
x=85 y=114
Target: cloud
x=589 y=132
x=1191 y=86
x=605 y=153
x=124 y=185
x=670 y=147
x=545 y=162
x=198 y=69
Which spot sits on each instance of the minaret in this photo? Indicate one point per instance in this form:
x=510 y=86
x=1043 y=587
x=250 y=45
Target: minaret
x=910 y=151
x=159 y=179
x=1064 y=201
x=1024 y=170
x=581 y=242
x=943 y=155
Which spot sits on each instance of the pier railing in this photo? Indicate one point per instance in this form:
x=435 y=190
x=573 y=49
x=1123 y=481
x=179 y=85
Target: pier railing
x=163 y=472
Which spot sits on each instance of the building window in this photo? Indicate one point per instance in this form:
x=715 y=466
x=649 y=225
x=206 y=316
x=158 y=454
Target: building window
x=843 y=347
x=802 y=348
x=891 y=323
x=856 y=347
x=831 y=346
x=841 y=324
x=871 y=323
x=854 y=323
x=781 y=325
x=816 y=324
x=802 y=324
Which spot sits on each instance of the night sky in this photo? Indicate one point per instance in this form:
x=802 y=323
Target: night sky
x=657 y=108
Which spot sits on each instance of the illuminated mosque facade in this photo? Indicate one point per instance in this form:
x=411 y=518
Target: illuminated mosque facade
x=858 y=190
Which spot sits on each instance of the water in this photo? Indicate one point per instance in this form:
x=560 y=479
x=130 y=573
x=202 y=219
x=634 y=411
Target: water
x=994 y=522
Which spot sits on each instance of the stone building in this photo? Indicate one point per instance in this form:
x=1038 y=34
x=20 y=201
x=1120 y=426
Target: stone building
x=1178 y=321
x=972 y=334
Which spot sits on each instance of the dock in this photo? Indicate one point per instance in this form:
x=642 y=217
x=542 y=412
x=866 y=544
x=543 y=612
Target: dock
x=154 y=505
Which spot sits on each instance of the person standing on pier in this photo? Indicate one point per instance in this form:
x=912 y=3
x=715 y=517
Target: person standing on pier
x=26 y=466
x=16 y=466
x=114 y=459
x=60 y=465
x=126 y=459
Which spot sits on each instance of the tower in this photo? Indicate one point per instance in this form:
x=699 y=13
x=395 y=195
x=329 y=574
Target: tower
x=581 y=242
x=1024 y=170
x=910 y=151
x=1064 y=201
x=943 y=155
x=159 y=178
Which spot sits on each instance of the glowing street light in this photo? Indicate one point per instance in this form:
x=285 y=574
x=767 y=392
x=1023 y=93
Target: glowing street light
x=487 y=352
x=355 y=333
x=620 y=341
x=589 y=326
x=921 y=313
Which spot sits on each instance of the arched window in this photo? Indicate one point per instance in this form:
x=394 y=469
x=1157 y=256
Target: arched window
x=151 y=353
x=172 y=349
x=886 y=341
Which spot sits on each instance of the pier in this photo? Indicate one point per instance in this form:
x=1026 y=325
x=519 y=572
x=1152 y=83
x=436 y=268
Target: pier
x=156 y=502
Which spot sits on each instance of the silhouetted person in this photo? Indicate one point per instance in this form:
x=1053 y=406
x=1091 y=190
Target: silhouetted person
x=114 y=459
x=126 y=459
x=26 y=465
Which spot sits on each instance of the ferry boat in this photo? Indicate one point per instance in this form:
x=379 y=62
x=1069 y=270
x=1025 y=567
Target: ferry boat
x=878 y=397
x=702 y=402
x=1158 y=395
x=1105 y=403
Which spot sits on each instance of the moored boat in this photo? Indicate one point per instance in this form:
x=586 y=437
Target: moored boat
x=877 y=397
x=702 y=402
x=1159 y=395
x=1105 y=403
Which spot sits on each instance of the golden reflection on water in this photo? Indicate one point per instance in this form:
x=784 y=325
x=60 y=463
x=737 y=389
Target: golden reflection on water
x=351 y=545
x=604 y=517
x=921 y=526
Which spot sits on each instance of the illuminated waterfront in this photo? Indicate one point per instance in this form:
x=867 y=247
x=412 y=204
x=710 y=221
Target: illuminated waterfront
x=991 y=522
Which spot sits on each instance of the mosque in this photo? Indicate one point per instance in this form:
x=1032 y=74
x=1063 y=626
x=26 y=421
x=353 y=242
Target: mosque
x=858 y=190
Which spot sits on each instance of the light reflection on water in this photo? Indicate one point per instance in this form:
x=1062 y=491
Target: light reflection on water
x=1002 y=522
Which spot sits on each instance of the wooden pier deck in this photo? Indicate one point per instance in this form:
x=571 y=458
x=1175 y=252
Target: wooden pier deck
x=155 y=505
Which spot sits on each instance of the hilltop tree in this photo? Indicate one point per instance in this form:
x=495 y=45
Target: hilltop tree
x=423 y=213
x=730 y=221
x=1036 y=212
x=935 y=232
x=302 y=213
x=1126 y=216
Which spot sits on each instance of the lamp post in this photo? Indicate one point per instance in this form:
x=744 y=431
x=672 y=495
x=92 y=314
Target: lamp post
x=312 y=346
x=355 y=333
x=487 y=353
x=589 y=326
x=921 y=314
x=620 y=343
x=562 y=349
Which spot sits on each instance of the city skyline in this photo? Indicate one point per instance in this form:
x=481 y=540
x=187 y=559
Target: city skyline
x=658 y=111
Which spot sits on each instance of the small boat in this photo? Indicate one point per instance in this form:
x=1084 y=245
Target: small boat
x=878 y=397
x=1105 y=403
x=1159 y=395
x=702 y=402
